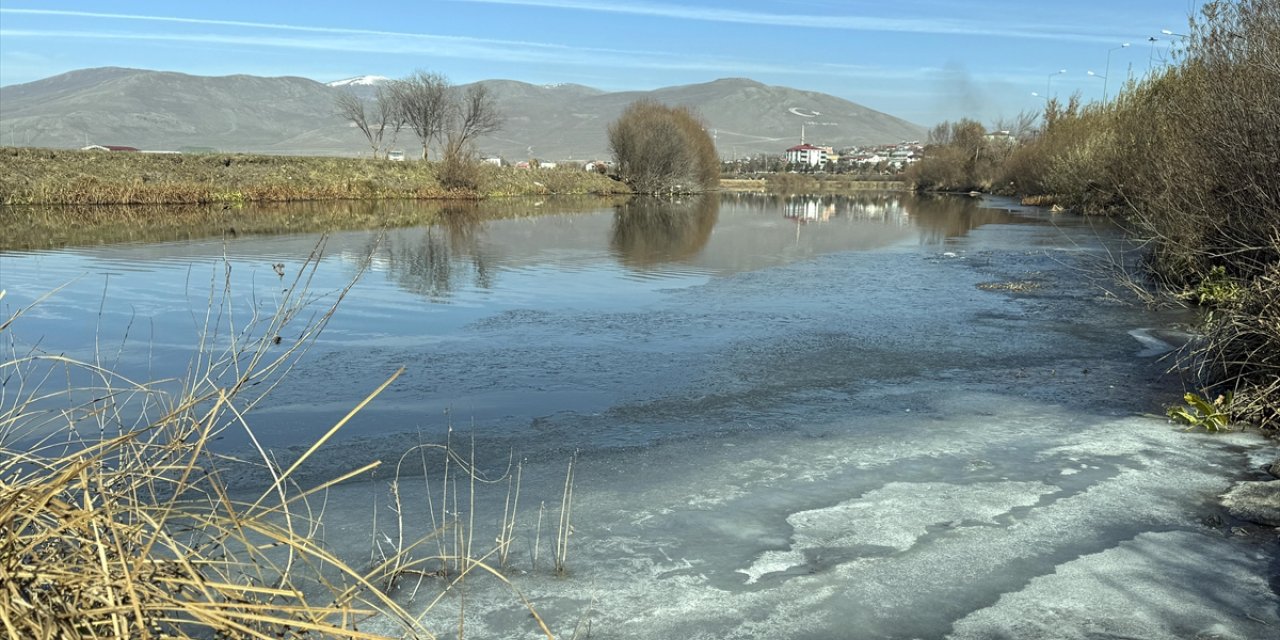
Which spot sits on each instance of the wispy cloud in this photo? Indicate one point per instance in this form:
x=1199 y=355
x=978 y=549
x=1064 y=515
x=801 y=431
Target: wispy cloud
x=938 y=26
x=269 y=25
x=350 y=40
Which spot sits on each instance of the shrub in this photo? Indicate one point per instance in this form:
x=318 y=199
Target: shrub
x=661 y=149
x=460 y=170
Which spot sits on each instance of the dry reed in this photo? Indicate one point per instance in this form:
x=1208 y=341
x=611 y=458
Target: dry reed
x=116 y=520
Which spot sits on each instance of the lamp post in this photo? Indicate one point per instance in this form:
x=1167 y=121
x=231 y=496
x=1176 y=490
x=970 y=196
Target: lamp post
x=1108 y=71
x=1170 y=33
x=1048 y=86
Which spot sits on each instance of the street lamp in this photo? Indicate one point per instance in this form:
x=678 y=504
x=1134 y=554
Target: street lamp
x=1104 y=78
x=1048 y=86
x=1170 y=33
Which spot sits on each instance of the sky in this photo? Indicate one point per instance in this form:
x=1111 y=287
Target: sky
x=922 y=60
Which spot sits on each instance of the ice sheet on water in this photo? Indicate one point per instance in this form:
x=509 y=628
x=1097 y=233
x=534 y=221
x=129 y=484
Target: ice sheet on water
x=1187 y=585
x=895 y=516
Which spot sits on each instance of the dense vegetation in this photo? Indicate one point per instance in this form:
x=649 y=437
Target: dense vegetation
x=1191 y=155
x=49 y=176
x=661 y=149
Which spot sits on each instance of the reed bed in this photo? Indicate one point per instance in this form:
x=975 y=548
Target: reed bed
x=56 y=176
x=117 y=521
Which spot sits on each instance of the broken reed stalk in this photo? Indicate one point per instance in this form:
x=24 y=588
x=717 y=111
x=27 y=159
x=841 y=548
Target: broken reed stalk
x=565 y=528
x=510 y=507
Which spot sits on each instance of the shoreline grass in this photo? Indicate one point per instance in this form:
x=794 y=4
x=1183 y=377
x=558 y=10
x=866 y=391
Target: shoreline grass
x=31 y=176
x=41 y=227
x=787 y=183
x=1188 y=155
x=117 y=519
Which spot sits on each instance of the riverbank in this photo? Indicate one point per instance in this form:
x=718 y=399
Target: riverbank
x=1188 y=155
x=36 y=228
x=787 y=183
x=61 y=177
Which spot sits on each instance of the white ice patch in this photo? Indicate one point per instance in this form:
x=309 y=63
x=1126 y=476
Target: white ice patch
x=1176 y=584
x=1151 y=345
x=895 y=516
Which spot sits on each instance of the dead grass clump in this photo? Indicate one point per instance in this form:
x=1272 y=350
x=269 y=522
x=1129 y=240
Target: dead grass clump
x=115 y=520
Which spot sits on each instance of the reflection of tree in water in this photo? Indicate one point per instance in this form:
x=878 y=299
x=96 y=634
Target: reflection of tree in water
x=942 y=217
x=652 y=231
x=446 y=255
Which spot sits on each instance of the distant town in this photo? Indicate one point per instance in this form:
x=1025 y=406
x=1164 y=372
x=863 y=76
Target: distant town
x=881 y=159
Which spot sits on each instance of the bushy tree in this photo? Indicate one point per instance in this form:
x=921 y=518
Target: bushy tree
x=662 y=149
x=959 y=157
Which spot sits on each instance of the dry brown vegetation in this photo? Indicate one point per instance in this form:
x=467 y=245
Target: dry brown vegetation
x=1191 y=157
x=661 y=149
x=116 y=520
x=50 y=176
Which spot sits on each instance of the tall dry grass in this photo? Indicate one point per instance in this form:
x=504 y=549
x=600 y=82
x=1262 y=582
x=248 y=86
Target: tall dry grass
x=1190 y=155
x=116 y=520
x=55 y=176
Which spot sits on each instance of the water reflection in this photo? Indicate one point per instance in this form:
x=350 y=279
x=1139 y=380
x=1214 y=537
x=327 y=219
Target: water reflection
x=47 y=227
x=943 y=217
x=434 y=261
x=650 y=231
x=936 y=218
x=510 y=248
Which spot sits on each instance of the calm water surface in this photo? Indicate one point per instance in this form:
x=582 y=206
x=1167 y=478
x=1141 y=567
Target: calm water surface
x=502 y=325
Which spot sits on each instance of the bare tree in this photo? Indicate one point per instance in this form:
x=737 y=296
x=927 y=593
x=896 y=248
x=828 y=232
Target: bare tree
x=422 y=100
x=373 y=123
x=389 y=112
x=475 y=114
x=1021 y=127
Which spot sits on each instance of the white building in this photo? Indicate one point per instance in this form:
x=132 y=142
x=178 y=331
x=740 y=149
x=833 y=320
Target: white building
x=807 y=154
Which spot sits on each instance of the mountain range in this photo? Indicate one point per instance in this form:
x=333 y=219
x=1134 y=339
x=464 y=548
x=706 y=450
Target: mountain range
x=158 y=110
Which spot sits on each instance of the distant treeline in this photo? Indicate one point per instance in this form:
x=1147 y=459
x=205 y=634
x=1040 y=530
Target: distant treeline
x=1191 y=155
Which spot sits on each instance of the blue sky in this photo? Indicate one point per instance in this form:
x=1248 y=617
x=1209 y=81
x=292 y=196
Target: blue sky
x=923 y=60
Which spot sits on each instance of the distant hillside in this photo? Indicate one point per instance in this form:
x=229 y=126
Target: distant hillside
x=170 y=111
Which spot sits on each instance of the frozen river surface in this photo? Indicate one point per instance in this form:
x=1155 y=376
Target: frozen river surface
x=886 y=420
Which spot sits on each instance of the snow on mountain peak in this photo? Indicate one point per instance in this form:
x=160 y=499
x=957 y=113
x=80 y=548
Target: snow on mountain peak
x=359 y=81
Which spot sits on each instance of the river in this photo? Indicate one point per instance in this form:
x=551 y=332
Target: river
x=874 y=416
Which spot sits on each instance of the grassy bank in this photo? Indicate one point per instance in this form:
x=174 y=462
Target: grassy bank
x=791 y=183
x=48 y=227
x=1190 y=155
x=51 y=176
